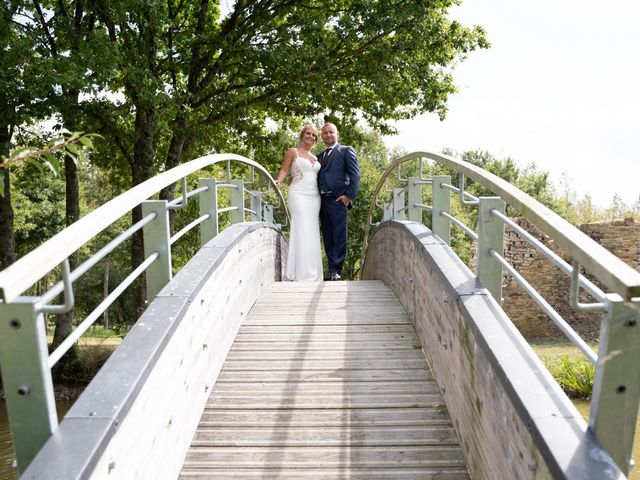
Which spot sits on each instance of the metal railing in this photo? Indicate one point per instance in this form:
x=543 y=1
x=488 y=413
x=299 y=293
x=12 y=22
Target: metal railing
x=24 y=358
x=616 y=390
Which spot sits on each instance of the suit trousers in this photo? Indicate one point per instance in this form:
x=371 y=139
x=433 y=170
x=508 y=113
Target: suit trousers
x=334 y=224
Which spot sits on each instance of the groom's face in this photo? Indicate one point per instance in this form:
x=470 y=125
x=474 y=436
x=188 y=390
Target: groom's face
x=329 y=135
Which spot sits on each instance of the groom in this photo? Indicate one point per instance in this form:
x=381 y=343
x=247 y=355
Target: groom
x=338 y=181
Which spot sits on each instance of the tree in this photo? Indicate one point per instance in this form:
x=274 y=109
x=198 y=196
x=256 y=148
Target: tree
x=192 y=76
x=183 y=76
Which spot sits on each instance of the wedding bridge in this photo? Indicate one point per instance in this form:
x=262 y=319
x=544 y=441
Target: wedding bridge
x=414 y=371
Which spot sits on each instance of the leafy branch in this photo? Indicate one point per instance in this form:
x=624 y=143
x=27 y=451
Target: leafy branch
x=74 y=145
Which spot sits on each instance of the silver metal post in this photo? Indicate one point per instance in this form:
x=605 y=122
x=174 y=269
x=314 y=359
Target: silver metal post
x=267 y=212
x=440 y=224
x=156 y=239
x=256 y=205
x=208 y=205
x=26 y=377
x=490 y=237
x=616 y=389
x=237 y=200
x=398 y=204
x=414 y=194
x=387 y=211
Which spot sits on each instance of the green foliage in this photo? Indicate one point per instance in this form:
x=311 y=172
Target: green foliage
x=39 y=208
x=575 y=374
x=46 y=158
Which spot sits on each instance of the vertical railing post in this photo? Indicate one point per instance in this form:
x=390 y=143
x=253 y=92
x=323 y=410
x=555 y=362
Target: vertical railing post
x=156 y=239
x=616 y=389
x=26 y=377
x=490 y=237
x=256 y=205
x=387 y=211
x=414 y=197
x=267 y=213
x=441 y=202
x=237 y=200
x=208 y=206
x=398 y=204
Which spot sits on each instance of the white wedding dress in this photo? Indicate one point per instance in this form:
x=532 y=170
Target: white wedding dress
x=304 y=261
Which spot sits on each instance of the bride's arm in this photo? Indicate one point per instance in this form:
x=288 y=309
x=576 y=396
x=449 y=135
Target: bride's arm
x=289 y=156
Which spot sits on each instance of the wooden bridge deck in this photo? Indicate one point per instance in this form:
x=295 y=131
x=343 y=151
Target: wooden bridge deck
x=325 y=380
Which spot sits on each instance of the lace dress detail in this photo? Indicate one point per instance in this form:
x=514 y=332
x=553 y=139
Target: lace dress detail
x=296 y=173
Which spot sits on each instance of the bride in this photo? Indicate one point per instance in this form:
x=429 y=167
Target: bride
x=304 y=261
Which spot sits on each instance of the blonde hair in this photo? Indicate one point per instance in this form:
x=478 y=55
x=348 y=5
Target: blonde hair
x=307 y=127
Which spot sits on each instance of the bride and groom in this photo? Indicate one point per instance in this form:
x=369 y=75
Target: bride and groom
x=321 y=187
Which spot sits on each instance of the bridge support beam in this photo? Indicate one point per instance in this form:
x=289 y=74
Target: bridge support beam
x=24 y=359
x=398 y=204
x=208 y=206
x=237 y=200
x=616 y=389
x=256 y=205
x=414 y=198
x=490 y=237
x=441 y=202
x=267 y=213
x=156 y=239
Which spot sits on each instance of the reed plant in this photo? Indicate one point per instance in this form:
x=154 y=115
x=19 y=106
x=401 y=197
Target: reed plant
x=575 y=374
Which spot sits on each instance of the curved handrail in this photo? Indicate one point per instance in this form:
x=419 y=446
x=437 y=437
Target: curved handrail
x=619 y=277
x=22 y=274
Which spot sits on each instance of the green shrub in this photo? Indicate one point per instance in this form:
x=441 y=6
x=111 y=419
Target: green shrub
x=574 y=374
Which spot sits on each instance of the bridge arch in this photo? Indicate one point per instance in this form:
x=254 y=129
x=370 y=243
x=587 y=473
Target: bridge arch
x=512 y=419
x=128 y=423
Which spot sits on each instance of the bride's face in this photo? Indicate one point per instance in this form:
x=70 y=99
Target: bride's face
x=309 y=137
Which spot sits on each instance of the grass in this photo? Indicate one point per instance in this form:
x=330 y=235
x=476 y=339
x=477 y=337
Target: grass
x=96 y=335
x=573 y=372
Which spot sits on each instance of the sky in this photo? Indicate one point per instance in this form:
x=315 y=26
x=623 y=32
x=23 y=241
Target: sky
x=559 y=87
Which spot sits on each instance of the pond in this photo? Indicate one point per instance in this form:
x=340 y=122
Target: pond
x=6 y=450
x=7 y=472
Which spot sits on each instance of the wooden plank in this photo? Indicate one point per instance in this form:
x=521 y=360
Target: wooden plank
x=325 y=400
x=330 y=337
x=344 y=353
x=293 y=319
x=326 y=387
x=325 y=345
x=280 y=436
x=320 y=418
x=324 y=375
x=308 y=365
x=348 y=329
x=325 y=380
x=342 y=473
x=298 y=457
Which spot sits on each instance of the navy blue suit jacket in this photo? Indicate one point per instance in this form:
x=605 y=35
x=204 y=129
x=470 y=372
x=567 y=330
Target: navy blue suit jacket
x=339 y=172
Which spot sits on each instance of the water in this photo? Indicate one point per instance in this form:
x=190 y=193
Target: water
x=634 y=474
x=7 y=472
x=6 y=449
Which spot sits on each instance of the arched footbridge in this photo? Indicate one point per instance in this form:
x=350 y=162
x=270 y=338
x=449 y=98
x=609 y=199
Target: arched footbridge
x=413 y=372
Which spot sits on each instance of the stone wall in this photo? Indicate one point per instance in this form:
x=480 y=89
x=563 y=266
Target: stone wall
x=621 y=237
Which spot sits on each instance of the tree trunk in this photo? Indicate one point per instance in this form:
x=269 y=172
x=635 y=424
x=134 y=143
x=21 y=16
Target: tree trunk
x=141 y=165
x=64 y=321
x=178 y=145
x=8 y=244
x=105 y=292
